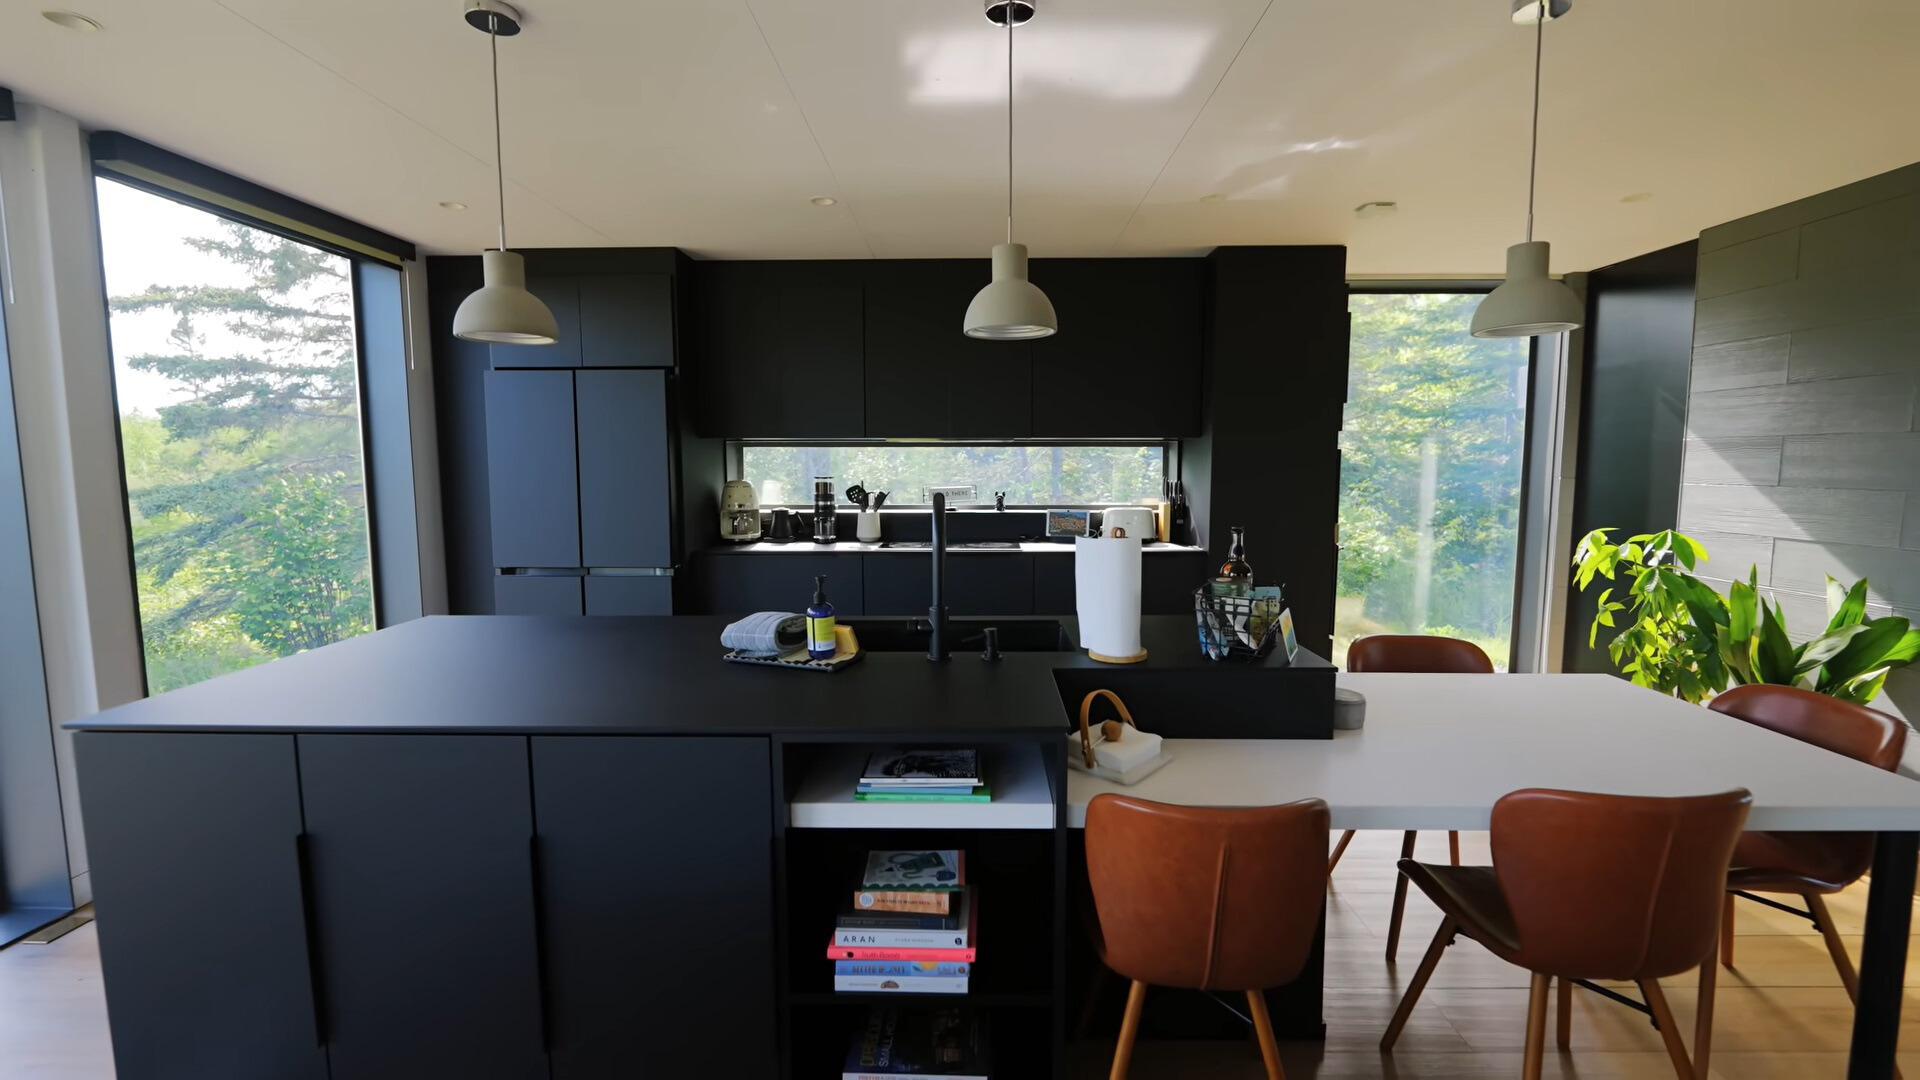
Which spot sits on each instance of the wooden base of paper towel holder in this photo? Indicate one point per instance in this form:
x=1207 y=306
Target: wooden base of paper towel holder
x=1105 y=659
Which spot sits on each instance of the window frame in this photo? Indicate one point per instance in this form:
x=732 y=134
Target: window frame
x=735 y=468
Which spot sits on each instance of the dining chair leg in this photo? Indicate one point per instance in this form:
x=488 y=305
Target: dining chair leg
x=1453 y=847
x=1339 y=849
x=1448 y=928
x=1663 y=1018
x=1726 y=932
x=1129 y=1027
x=1703 y=1020
x=1399 y=899
x=1263 y=1027
x=1835 y=947
x=1536 y=1027
x=1563 y=1016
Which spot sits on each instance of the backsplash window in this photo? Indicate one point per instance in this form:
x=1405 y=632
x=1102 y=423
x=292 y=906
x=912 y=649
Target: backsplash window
x=911 y=473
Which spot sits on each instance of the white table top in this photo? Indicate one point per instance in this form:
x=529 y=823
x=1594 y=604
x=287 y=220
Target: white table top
x=1438 y=750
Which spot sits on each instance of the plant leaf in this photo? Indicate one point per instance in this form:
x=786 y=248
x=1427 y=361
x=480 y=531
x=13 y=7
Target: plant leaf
x=1847 y=607
x=1868 y=650
x=1824 y=648
x=1864 y=689
x=1773 y=652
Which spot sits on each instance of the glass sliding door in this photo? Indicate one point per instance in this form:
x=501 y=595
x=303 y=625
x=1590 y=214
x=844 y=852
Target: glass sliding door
x=1431 y=456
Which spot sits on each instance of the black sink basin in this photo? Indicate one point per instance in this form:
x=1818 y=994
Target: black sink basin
x=905 y=634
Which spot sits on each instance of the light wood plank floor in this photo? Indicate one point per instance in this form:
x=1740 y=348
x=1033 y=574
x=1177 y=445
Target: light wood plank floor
x=1781 y=1014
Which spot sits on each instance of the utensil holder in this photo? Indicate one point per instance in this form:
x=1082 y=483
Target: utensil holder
x=866 y=526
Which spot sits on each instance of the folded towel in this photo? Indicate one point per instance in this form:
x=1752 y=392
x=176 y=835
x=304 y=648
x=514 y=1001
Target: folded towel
x=769 y=633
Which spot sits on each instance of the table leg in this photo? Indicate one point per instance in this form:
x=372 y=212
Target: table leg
x=1883 y=956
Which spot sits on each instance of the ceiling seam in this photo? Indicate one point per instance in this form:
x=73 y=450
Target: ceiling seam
x=838 y=191
x=1182 y=141
x=397 y=111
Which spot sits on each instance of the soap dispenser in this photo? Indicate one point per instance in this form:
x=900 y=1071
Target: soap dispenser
x=820 y=636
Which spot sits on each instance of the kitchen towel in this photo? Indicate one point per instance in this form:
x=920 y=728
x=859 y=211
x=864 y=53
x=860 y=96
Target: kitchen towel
x=768 y=633
x=1106 y=578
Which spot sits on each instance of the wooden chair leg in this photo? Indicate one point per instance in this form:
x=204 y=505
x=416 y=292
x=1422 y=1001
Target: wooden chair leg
x=1129 y=1027
x=1399 y=900
x=1703 y=1020
x=1726 y=932
x=1536 y=1027
x=1663 y=1016
x=1263 y=1027
x=1339 y=849
x=1563 y=1016
x=1453 y=847
x=1420 y=976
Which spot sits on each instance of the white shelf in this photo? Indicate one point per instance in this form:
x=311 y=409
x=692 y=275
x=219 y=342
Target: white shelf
x=1018 y=777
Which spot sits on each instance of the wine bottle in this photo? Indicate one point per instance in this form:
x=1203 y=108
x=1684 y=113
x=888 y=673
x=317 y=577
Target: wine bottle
x=1235 y=577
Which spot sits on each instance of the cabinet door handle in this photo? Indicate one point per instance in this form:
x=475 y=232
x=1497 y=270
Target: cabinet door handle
x=303 y=859
x=539 y=942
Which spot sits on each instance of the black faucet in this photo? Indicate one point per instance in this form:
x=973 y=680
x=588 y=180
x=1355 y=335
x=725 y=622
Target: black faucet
x=937 y=612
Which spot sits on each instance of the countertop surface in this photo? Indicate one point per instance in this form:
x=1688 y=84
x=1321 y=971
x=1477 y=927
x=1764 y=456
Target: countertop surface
x=608 y=675
x=851 y=547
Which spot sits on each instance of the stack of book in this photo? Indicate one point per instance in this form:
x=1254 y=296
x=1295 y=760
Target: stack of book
x=921 y=775
x=949 y=1043
x=911 y=927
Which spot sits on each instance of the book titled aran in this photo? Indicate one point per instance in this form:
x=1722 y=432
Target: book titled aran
x=923 y=882
x=947 y=1043
x=958 y=929
x=922 y=775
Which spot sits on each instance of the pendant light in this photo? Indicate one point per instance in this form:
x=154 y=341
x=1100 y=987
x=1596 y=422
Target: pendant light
x=1529 y=302
x=1010 y=308
x=502 y=311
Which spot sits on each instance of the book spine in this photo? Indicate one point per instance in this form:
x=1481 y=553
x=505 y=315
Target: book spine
x=938 y=956
x=925 y=902
x=895 y=796
x=896 y=920
x=900 y=939
x=887 y=984
x=898 y=969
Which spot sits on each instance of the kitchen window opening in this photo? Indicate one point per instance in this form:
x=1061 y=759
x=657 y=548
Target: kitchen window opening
x=1032 y=476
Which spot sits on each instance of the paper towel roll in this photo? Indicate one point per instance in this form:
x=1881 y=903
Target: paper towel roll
x=1106 y=578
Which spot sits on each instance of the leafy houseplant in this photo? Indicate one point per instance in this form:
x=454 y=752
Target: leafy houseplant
x=1680 y=636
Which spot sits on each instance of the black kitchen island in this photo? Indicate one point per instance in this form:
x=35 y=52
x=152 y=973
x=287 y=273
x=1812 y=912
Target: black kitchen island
x=517 y=847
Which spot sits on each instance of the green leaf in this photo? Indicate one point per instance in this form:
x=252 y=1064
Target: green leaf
x=1868 y=650
x=1691 y=552
x=1773 y=652
x=1904 y=651
x=1846 y=606
x=1823 y=648
x=1741 y=610
x=1864 y=689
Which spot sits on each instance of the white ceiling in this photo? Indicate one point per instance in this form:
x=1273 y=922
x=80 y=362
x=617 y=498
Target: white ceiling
x=709 y=124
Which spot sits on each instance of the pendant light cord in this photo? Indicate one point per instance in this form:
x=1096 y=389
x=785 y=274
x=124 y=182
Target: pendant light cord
x=499 y=163
x=1009 y=17
x=1533 y=150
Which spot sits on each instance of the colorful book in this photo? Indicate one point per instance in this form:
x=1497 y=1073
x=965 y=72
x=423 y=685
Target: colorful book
x=935 y=956
x=864 y=788
x=897 y=920
x=900 y=984
x=944 y=1042
x=857 y=937
x=923 y=766
x=916 y=900
x=981 y=794
x=941 y=871
x=903 y=969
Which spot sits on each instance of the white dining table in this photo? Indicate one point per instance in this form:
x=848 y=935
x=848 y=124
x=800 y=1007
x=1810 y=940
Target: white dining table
x=1437 y=751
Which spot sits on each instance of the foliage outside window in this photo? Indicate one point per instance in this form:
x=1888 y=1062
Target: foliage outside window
x=1431 y=456
x=1030 y=475
x=236 y=374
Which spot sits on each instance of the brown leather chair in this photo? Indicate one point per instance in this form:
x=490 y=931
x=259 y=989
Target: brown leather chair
x=1206 y=899
x=1411 y=653
x=1587 y=886
x=1808 y=865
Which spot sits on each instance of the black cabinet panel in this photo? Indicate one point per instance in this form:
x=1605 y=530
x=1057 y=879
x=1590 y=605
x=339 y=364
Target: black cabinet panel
x=984 y=583
x=743 y=584
x=196 y=873
x=561 y=294
x=1053 y=589
x=924 y=377
x=1127 y=360
x=536 y=594
x=421 y=850
x=626 y=478
x=532 y=484
x=780 y=350
x=609 y=594
x=659 y=940
x=626 y=320
x=1167 y=581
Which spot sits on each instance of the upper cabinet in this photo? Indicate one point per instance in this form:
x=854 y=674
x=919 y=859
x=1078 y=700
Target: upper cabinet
x=1127 y=362
x=606 y=320
x=780 y=350
x=924 y=377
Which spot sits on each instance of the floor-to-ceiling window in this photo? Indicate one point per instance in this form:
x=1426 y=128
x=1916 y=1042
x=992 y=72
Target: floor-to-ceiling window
x=236 y=374
x=1431 y=454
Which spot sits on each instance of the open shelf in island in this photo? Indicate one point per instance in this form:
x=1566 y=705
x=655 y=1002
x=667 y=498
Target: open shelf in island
x=1016 y=772
x=1022 y=1039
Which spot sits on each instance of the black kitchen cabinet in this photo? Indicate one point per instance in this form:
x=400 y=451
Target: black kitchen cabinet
x=532 y=477
x=1167 y=581
x=191 y=831
x=537 y=594
x=745 y=583
x=626 y=468
x=1127 y=360
x=626 y=320
x=658 y=940
x=780 y=350
x=924 y=377
x=610 y=594
x=561 y=294
x=421 y=853
x=978 y=583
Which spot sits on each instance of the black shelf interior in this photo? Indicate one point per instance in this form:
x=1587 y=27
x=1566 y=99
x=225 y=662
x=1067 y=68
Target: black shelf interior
x=1022 y=1040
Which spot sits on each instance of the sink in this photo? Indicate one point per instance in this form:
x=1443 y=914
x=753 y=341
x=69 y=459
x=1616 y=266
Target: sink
x=911 y=634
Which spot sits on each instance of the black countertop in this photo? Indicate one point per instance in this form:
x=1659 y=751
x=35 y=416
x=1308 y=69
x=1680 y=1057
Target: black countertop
x=604 y=675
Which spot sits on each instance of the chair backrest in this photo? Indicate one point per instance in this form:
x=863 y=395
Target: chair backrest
x=1417 y=652
x=1205 y=898
x=1615 y=886
x=1840 y=726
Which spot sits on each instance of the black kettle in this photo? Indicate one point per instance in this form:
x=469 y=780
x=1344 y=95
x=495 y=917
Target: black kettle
x=783 y=524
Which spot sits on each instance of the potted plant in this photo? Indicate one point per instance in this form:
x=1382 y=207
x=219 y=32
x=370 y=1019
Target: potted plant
x=1680 y=636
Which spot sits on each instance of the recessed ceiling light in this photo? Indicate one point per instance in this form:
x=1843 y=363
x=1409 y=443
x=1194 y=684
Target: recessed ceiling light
x=823 y=200
x=1215 y=197
x=1638 y=196
x=452 y=204
x=70 y=20
x=1377 y=208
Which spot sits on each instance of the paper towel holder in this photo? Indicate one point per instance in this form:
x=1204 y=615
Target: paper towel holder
x=1117 y=533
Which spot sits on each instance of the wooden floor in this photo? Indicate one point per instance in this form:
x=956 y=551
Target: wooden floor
x=1781 y=1014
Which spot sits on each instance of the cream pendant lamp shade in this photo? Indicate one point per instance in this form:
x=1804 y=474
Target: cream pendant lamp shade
x=502 y=311
x=1529 y=303
x=1010 y=308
